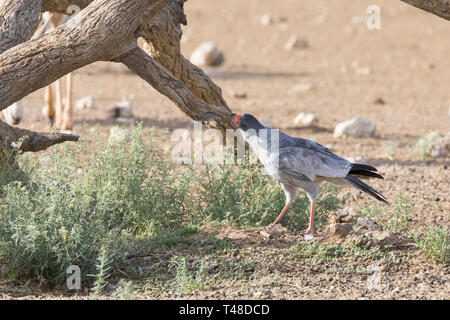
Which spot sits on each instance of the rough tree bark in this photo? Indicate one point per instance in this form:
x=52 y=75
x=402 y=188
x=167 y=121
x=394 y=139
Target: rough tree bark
x=440 y=8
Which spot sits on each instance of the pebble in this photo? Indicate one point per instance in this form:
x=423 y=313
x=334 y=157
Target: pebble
x=266 y=20
x=306 y=119
x=14 y=113
x=207 y=54
x=356 y=127
x=296 y=42
x=85 y=103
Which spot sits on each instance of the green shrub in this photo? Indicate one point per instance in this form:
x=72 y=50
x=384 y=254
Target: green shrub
x=435 y=243
x=88 y=204
x=242 y=196
x=70 y=208
x=394 y=219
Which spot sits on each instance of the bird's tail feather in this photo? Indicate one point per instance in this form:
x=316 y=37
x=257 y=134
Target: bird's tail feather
x=358 y=184
x=364 y=170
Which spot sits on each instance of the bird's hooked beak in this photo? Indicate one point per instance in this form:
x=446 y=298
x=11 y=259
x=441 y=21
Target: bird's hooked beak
x=237 y=119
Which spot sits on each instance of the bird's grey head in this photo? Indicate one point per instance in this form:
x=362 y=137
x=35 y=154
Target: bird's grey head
x=245 y=121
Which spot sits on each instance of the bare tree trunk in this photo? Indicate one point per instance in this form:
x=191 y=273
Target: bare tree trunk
x=163 y=35
x=440 y=8
x=18 y=21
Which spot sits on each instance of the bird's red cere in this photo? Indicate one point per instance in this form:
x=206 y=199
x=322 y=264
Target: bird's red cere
x=237 y=119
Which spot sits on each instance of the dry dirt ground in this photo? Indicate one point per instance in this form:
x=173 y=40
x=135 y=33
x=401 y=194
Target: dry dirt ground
x=408 y=61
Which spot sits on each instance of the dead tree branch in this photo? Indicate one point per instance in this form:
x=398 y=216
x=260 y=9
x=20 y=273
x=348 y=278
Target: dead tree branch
x=163 y=81
x=440 y=8
x=18 y=21
x=163 y=34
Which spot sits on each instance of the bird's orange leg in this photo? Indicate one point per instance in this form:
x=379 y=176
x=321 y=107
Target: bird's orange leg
x=286 y=207
x=310 y=229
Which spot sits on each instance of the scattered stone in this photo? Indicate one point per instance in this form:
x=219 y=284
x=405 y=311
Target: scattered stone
x=296 y=42
x=356 y=127
x=120 y=110
x=368 y=224
x=266 y=20
x=363 y=71
x=85 y=103
x=382 y=238
x=306 y=119
x=346 y=215
x=265 y=234
x=118 y=135
x=14 y=113
x=274 y=231
x=207 y=54
x=308 y=237
x=239 y=94
x=379 y=101
x=357 y=19
x=303 y=87
x=341 y=229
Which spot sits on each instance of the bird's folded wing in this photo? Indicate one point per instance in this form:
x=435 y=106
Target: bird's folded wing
x=312 y=162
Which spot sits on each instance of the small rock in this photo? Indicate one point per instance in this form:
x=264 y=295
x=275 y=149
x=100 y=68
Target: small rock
x=357 y=19
x=303 y=87
x=306 y=119
x=207 y=54
x=296 y=42
x=363 y=71
x=356 y=127
x=383 y=238
x=85 y=103
x=341 y=229
x=345 y=215
x=120 y=110
x=266 y=19
x=14 y=113
x=368 y=224
x=379 y=101
x=274 y=231
x=308 y=237
x=265 y=234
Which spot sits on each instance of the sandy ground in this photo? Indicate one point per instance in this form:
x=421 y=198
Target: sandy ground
x=408 y=63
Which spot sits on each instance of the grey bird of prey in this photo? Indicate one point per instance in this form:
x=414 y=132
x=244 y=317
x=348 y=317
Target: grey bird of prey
x=300 y=163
